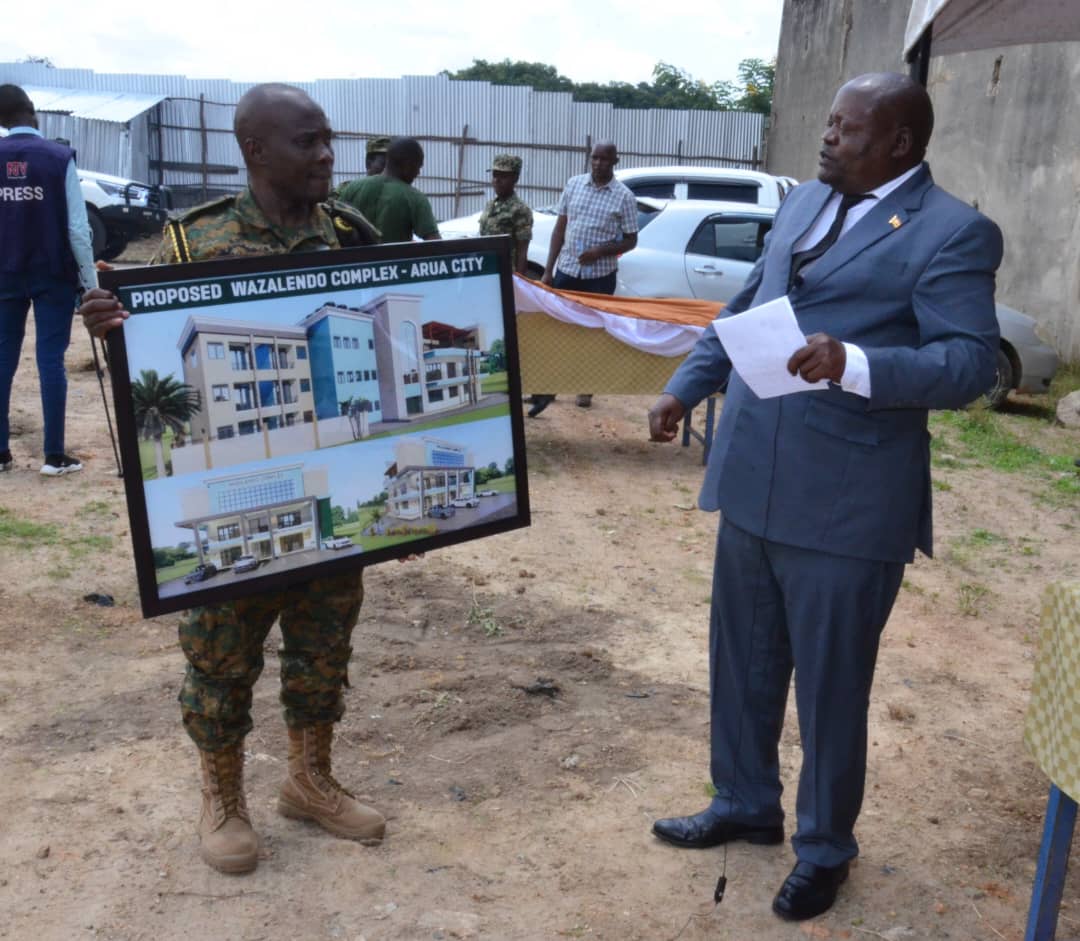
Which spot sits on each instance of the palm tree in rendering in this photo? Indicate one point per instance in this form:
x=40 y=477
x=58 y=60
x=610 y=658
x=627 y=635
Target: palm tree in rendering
x=161 y=403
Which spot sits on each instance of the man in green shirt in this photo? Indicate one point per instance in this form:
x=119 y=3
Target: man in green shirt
x=389 y=200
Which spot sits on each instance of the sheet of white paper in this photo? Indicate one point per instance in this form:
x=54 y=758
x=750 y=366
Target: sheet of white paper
x=760 y=341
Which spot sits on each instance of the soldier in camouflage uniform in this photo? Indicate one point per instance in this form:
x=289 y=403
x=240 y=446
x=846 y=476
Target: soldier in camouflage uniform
x=285 y=139
x=507 y=214
x=375 y=155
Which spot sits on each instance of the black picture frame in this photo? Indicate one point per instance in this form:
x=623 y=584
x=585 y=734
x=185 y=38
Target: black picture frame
x=263 y=454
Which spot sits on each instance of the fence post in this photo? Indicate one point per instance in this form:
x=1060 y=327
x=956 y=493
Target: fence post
x=204 y=142
x=588 y=151
x=460 y=171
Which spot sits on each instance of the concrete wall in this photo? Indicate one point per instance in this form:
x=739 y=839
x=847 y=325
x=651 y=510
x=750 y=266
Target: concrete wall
x=1007 y=138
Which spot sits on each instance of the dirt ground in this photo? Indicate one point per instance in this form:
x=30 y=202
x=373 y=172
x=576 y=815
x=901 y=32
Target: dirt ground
x=515 y=815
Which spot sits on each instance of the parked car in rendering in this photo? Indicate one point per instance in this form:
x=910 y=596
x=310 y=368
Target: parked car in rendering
x=244 y=563
x=337 y=542
x=487 y=493
x=440 y=512
x=468 y=502
x=200 y=573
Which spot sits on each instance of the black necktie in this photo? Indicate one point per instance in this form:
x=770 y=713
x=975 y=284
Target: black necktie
x=800 y=260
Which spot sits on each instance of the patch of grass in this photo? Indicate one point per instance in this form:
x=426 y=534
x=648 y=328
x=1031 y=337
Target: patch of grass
x=985 y=438
x=942 y=485
x=1066 y=380
x=23 y=533
x=983 y=537
x=484 y=618
x=492 y=411
x=971 y=598
x=981 y=436
x=494 y=382
x=710 y=790
x=94 y=508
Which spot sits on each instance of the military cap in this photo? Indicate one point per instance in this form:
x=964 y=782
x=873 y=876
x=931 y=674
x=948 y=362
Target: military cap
x=506 y=163
x=378 y=145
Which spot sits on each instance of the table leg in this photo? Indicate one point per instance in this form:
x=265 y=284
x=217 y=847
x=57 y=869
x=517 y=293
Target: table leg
x=1053 y=864
x=710 y=421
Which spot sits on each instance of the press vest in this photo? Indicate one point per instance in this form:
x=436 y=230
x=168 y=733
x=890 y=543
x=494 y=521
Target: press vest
x=33 y=207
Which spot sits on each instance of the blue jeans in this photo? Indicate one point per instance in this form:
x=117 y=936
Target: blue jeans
x=54 y=310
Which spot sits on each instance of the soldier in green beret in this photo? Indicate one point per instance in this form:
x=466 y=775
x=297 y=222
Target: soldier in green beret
x=507 y=214
x=285 y=140
x=375 y=161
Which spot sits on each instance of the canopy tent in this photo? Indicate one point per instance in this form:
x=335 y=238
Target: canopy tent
x=938 y=27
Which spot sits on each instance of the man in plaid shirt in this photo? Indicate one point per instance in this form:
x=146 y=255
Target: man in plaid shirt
x=597 y=223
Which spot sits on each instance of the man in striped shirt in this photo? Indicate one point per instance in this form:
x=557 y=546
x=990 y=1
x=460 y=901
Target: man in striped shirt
x=597 y=223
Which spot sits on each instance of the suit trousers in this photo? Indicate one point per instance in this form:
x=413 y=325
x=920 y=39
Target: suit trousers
x=776 y=608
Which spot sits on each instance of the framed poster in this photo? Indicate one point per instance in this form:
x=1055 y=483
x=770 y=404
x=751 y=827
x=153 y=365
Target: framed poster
x=286 y=417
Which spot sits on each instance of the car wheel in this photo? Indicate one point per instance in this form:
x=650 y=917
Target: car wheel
x=114 y=246
x=99 y=238
x=1003 y=381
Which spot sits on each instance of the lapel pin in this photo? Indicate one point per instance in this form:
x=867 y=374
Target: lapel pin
x=895 y=222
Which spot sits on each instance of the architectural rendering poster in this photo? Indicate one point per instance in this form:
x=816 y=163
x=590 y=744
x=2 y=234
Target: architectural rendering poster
x=287 y=417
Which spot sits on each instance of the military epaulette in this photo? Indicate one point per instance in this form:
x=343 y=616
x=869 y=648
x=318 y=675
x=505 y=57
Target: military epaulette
x=352 y=226
x=174 y=227
x=190 y=215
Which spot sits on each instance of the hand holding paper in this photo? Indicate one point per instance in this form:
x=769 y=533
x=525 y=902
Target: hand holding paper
x=760 y=341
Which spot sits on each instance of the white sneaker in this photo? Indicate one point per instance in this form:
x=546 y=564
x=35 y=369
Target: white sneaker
x=56 y=465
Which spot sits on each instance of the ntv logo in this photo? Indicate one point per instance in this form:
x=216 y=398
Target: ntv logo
x=16 y=169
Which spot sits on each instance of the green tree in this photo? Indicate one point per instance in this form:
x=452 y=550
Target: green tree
x=161 y=403
x=534 y=74
x=496 y=357
x=508 y=467
x=671 y=87
x=756 y=78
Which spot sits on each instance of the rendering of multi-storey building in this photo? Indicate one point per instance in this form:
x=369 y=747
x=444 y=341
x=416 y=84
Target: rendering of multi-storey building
x=266 y=514
x=250 y=377
x=427 y=472
x=380 y=360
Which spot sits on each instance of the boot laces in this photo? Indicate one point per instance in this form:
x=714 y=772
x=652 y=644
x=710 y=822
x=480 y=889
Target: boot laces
x=227 y=784
x=323 y=738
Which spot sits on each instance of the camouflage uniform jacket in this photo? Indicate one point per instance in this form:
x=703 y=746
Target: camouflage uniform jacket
x=508 y=216
x=235 y=226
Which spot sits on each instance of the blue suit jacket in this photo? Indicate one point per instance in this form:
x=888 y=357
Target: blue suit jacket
x=828 y=469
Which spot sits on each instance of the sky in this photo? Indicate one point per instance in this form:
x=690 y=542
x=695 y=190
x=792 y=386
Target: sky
x=274 y=41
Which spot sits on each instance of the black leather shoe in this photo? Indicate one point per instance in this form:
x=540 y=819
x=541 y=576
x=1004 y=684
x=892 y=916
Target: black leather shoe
x=809 y=890
x=711 y=829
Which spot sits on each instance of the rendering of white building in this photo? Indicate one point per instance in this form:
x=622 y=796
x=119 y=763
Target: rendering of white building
x=427 y=472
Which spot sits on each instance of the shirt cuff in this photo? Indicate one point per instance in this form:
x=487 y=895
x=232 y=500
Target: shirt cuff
x=856 y=377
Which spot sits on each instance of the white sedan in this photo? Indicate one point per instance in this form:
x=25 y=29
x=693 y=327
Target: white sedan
x=686 y=248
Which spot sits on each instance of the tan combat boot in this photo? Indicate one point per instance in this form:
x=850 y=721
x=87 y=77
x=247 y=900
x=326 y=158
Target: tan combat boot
x=311 y=793
x=227 y=841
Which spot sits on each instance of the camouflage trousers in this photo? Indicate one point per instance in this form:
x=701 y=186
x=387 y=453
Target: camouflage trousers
x=224 y=649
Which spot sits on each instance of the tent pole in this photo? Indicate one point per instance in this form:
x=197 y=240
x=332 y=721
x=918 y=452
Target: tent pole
x=919 y=58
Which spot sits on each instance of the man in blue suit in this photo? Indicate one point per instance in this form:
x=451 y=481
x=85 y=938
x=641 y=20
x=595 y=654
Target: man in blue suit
x=825 y=494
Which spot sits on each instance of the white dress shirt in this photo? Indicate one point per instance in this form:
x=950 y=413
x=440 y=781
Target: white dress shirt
x=856 y=377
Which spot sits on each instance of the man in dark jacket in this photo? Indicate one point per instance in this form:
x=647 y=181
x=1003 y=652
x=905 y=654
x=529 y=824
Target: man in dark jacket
x=45 y=259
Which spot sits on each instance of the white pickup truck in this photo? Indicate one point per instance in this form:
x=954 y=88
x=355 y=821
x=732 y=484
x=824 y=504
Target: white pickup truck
x=120 y=210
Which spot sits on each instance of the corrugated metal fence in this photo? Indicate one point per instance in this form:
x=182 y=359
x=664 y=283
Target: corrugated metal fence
x=186 y=141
